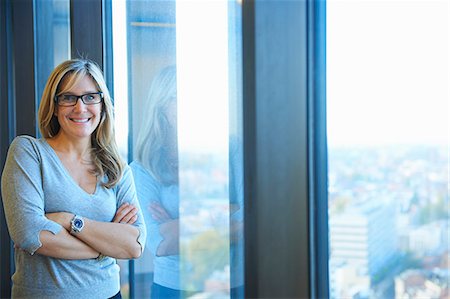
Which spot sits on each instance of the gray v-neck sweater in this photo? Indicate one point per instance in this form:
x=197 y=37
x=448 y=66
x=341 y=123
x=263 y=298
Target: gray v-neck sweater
x=35 y=182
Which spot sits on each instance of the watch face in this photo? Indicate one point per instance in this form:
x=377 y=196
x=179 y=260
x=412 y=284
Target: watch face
x=78 y=223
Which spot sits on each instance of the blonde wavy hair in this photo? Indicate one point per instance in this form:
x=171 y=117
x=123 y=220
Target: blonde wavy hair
x=155 y=126
x=104 y=151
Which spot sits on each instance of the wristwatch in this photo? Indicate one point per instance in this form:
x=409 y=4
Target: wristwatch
x=76 y=224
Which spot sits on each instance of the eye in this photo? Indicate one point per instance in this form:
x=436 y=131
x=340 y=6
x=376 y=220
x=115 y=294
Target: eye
x=69 y=98
x=91 y=97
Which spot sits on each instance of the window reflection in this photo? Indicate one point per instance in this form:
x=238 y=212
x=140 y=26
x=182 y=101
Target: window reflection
x=155 y=170
x=185 y=146
x=191 y=241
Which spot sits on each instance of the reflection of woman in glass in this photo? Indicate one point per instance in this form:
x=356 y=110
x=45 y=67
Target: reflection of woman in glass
x=155 y=170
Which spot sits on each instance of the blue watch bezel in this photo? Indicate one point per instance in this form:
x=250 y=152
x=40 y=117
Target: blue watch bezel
x=77 y=224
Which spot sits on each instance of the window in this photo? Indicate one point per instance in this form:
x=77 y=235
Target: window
x=178 y=112
x=388 y=112
x=52 y=39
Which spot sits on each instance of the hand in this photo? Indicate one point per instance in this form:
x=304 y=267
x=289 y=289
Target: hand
x=158 y=212
x=170 y=245
x=126 y=213
x=62 y=218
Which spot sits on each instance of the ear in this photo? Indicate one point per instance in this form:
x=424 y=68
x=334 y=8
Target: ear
x=55 y=111
x=103 y=113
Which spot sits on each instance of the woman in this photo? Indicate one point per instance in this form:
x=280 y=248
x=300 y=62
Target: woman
x=69 y=199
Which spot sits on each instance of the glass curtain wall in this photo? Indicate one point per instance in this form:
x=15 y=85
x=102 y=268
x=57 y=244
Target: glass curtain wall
x=52 y=32
x=388 y=136
x=179 y=124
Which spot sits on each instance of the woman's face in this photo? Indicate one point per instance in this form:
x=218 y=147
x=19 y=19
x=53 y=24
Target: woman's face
x=79 y=121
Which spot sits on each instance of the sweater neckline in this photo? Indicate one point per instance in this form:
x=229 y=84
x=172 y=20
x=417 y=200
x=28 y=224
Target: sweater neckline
x=58 y=161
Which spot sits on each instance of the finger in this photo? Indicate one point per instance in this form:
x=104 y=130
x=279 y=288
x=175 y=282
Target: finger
x=157 y=218
x=133 y=219
x=158 y=208
x=122 y=211
x=165 y=215
x=126 y=218
x=155 y=213
x=120 y=215
x=122 y=207
x=159 y=212
x=153 y=208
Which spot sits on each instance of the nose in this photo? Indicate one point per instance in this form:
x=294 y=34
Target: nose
x=79 y=105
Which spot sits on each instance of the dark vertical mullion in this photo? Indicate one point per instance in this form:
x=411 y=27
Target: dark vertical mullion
x=108 y=45
x=276 y=149
x=249 y=148
x=317 y=139
x=17 y=89
x=24 y=66
x=5 y=116
x=86 y=31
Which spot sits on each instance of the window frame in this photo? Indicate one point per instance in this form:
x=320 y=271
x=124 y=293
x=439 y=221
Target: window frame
x=318 y=151
x=5 y=135
x=297 y=265
x=18 y=90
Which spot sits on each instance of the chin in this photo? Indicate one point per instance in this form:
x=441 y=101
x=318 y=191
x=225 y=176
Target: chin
x=82 y=134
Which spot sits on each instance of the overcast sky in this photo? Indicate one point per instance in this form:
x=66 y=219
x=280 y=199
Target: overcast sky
x=388 y=72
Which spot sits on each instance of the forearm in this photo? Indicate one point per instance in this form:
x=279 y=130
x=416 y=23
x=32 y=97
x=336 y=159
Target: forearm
x=112 y=239
x=118 y=240
x=64 y=246
x=170 y=245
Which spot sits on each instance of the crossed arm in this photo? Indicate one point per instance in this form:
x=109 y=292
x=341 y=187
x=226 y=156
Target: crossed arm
x=22 y=186
x=116 y=239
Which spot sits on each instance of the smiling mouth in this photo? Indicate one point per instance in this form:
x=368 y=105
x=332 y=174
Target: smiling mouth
x=80 y=120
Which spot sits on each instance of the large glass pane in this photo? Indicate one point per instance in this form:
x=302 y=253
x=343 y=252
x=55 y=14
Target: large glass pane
x=52 y=38
x=388 y=130
x=120 y=93
x=180 y=125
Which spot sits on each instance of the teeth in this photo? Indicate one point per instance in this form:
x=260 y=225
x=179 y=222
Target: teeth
x=83 y=120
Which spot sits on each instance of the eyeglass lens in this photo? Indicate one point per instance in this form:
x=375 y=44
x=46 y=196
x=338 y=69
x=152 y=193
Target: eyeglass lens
x=71 y=100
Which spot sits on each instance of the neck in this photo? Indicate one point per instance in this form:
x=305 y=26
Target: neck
x=75 y=147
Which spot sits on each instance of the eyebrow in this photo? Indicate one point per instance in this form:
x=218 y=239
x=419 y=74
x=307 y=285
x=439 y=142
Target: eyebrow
x=73 y=94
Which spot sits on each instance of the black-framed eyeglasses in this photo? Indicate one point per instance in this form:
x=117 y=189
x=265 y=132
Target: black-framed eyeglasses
x=71 y=99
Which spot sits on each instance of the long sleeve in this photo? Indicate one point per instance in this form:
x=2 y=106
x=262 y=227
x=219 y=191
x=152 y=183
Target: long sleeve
x=126 y=192
x=147 y=192
x=22 y=195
